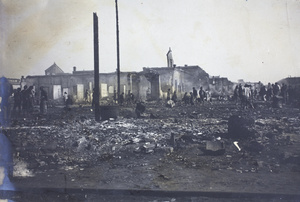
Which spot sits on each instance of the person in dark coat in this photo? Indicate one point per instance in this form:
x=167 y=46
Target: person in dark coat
x=169 y=94
x=121 y=99
x=43 y=101
x=17 y=101
x=174 y=97
x=139 y=109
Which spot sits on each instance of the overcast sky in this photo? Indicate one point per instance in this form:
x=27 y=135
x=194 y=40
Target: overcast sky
x=254 y=40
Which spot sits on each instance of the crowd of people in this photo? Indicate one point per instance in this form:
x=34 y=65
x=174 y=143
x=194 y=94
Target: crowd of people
x=25 y=99
x=272 y=92
x=191 y=98
x=20 y=101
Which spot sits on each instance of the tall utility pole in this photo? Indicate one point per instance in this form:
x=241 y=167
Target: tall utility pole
x=118 y=51
x=96 y=69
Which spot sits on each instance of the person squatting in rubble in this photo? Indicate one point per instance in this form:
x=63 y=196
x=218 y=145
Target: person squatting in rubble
x=43 y=101
x=139 y=109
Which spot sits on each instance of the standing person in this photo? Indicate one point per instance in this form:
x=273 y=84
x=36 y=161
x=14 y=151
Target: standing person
x=86 y=93
x=201 y=94
x=174 y=97
x=169 y=94
x=121 y=98
x=17 y=101
x=191 y=98
x=276 y=89
x=65 y=97
x=284 y=93
x=262 y=93
x=236 y=94
x=29 y=98
x=43 y=101
x=195 y=94
x=69 y=102
x=185 y=98
x=240 y=92
x=128 y=98
x=132 y=98
x=24 y=100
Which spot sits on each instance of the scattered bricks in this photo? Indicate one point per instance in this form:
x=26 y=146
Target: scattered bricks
x=240 y=127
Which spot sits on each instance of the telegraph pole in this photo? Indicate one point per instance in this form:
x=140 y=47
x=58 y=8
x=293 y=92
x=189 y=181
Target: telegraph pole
x=118 y=52
x=96 y=69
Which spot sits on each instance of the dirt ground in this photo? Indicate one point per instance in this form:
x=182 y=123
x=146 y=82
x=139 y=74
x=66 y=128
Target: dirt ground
x=68 y=149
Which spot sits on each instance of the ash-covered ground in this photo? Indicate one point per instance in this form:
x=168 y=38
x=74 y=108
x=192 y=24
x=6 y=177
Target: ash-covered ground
x=184 y=148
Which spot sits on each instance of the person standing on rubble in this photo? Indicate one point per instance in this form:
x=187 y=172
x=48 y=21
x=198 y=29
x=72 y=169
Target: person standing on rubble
x=191 y=98
x=284 y=92
x=17 y=101
x=121 y=99
x=195 y=94
x=240 y=92
x=43 y=101
x=86 y=93
x=202 y=95
x=24 y=100
x=169 y=94
x=174 y=97
x=185 y=98
x=236 y=94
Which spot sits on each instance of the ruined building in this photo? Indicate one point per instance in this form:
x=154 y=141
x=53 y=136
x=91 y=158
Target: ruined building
x=150 y=84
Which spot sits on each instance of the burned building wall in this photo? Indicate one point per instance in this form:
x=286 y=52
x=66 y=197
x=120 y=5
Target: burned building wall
x=220 y=86
x=192 y=76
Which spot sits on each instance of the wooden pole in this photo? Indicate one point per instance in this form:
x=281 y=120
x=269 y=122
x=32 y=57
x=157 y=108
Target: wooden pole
x=118 y=52
x=96 y=69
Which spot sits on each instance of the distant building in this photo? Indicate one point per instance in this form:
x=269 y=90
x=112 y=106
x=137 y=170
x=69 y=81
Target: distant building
x=54 y=70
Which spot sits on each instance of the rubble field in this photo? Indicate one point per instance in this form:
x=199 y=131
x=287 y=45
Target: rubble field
x=186 y=148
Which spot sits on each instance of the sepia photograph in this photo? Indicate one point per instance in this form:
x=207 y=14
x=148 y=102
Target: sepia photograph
x=157 y=101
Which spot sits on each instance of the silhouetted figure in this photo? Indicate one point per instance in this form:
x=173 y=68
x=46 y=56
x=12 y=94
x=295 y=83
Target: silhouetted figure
x=174 y=97
x=139 y=109
x=43 y=101
x=169 y=94
x=69 y=102
x=201 y=94
x=121 y=99
x=17 y=101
